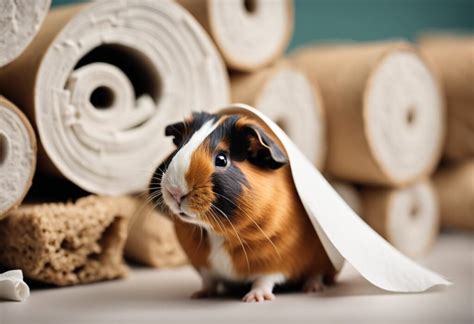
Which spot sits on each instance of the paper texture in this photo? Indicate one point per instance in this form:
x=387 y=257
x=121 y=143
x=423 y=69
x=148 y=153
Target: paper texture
x=343 y=233
x=103 y=79
x=12 y=286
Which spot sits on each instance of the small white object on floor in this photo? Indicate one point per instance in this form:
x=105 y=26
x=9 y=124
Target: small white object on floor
x=12 y=286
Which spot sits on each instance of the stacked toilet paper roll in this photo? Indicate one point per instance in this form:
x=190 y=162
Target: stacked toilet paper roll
x=248 y=33
x=406 y=217
x=455 y=190
x=20 y=20
x=17 y=156
x=452 y=57
x=384 y=110
x=287 y=96
x=102 y=80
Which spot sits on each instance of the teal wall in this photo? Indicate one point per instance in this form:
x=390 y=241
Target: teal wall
x=373 y=19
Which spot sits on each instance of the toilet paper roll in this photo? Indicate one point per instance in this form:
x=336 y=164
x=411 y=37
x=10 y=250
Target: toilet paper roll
x=384 y=111
x=408 y=218
x=283 y=93
x=455 y=191
x=102 y=80
x=452 y=57
x=338 y=227
x=17 y=156
x=350 y=195
x=248 y=33
x=20 y=20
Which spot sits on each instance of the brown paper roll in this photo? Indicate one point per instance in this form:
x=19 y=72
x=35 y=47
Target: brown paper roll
x=101 y=80
x=17 y=156
x=20 y=20
x=408 y=218
x=453 y=60
x=286 y=96
x=384 y=111
x=455 y=190
x=152 y=239
x=248 y=33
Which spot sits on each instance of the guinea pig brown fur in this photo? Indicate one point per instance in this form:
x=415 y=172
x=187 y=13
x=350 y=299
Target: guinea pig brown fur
x=237 y=214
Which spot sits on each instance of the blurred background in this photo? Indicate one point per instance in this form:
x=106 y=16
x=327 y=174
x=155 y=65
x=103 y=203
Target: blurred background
x=365 y=20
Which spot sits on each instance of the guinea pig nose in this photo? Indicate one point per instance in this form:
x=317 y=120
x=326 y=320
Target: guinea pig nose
x=177 y=195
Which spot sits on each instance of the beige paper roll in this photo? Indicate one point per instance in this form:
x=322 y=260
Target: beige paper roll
x=151 y=238
x=248 y=33
x=453 y=59
x=384 y=111
x=455 y=190
x=102 y=80
x=286 y=96
x=17 y=156
x=408 y=218
x=350 y=195
x=20 y=20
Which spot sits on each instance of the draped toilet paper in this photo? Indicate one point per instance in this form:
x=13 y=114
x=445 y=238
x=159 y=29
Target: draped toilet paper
x=345 y=236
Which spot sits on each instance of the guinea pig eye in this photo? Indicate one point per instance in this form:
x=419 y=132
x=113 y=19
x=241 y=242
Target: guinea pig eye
x=220 y=160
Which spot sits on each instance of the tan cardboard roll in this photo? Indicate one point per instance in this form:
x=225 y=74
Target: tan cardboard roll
x=350 y=195
x=455 y=190
x=408 y=218
x=151 y=238
x=102 y=80
x=248 y=33
x=66 y=243
x=286 y=95
x=20 y=20
x=453 y=59
x=17 y=156
x=384 y=111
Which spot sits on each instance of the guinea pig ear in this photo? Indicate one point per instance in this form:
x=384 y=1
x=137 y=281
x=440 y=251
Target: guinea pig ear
x=261 y=149
x=177 y=131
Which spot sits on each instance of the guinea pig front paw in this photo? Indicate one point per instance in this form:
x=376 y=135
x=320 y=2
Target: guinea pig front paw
x=314 y=284
x=258 y=295
x=204 y=293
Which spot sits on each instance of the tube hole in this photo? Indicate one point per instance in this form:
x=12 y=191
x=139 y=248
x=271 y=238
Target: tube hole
x=414 y=211
x=135 y=65
x=250 y=6
x=102 y=98
x=410 y=116
x=4 y=148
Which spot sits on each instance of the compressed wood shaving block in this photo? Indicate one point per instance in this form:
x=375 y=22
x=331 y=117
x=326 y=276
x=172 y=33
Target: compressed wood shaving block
x=67 y=243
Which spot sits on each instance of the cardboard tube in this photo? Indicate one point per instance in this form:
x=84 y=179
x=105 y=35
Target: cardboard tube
x=151 y=238
x=102 y=80
x=453 y=59
x=384 y=111
x=17 y=156
x=408 y=218
x=455 y=190
x=20 y=20
x=286 y=96
x=248 y=33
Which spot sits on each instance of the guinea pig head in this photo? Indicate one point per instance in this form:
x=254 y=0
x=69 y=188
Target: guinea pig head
x=222 y=165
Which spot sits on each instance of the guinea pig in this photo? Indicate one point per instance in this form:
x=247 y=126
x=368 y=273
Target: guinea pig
x=238 y=217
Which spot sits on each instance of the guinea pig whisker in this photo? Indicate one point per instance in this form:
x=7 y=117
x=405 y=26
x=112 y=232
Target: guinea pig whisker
x=251 y=219
x=237 y=234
